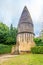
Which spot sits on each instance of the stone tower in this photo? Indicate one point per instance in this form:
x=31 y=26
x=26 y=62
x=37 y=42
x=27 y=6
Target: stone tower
x=25 y=32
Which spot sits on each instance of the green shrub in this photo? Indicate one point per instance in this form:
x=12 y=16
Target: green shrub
x=38 y=41
x=37 y=50
x=5 y=49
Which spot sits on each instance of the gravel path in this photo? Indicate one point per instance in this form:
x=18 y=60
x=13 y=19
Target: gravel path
x=5 y=57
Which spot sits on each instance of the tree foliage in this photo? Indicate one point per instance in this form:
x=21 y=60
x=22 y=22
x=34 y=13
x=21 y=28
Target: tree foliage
x=37 y=50
x=41 y=34
x=3 y=32
x=7 y=35
x=11 y=38
x=38 y=41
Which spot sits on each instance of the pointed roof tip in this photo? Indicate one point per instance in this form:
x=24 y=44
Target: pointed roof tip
x=25 y=7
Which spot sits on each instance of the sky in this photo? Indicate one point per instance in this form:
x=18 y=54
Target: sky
x=10 y=12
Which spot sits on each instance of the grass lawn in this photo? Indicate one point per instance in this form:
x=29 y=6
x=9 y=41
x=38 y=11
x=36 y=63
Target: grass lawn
x=27 y=59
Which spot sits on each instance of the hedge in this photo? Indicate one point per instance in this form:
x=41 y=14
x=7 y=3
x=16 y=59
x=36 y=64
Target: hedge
x=37 y=50
x=4 y=49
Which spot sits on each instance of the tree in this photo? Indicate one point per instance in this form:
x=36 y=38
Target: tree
x=7 y=35
x=3 y=31
x=11 y=38
x=41 y=34
x=38 y=41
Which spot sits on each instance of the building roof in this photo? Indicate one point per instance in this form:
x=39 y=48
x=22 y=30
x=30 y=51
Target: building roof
x=25 y=22
x=25 y=16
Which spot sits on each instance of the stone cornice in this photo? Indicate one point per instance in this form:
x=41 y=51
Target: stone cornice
x=26 y=32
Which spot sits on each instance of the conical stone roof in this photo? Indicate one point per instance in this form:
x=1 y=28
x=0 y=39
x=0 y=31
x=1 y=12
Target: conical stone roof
x=25 y=16
x=25 y=22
